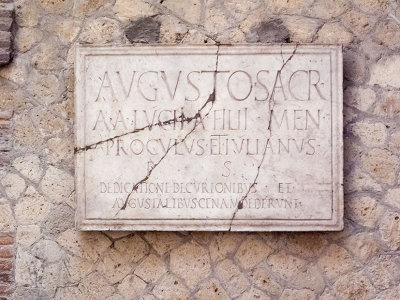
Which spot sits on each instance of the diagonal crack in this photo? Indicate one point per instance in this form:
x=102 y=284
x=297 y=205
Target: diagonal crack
x=211 y=99
x=271 y=105
x=180 y=119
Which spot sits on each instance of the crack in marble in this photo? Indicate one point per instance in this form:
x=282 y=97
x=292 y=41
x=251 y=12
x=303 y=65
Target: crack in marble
x=211 y=99
x=271 y=105
x=179 y=119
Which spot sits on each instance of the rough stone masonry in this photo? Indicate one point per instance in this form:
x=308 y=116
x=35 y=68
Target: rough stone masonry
x=43 y=256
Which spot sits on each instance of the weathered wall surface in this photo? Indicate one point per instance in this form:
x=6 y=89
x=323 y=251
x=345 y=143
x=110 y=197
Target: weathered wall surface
x=53 y=260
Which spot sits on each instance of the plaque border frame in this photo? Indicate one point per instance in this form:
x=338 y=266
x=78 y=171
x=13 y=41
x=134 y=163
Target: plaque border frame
x=335 y=223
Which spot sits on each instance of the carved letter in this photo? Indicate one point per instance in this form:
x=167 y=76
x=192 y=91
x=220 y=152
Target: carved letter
x=141 y=145
x=119 y=119
x=155 y=89
x=100 y=117
x=308 y=115
x=226 y=164
x=195 y=87
x=166 y=119
x=278 y=75
x=290 y=86
x=250 y=86
x=126 y=93
x=315 y=84
x=283 y=119
x=106 y=84
x=164 y=77
x=150 y=123
x=263 y=85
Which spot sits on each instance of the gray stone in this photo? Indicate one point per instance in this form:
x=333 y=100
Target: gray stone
x=354 y=67
x=6 y=9
x=48 y=250
x=6 y=23
x=60 y=219
x=5 y=135
x=269 y=32
x=5 y=39
x=143 y=30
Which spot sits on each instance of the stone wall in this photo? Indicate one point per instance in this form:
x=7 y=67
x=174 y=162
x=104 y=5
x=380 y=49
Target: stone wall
x=53 y=260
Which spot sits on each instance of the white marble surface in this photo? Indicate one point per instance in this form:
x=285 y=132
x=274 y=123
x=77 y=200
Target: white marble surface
x=244 y=138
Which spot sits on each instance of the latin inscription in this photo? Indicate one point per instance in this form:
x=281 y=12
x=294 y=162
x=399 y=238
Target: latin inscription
x=214 y=138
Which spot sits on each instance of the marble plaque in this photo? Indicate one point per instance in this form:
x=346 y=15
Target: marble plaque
x=241 y=138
